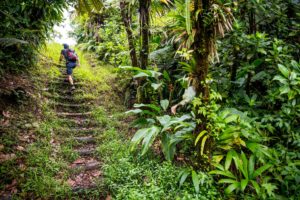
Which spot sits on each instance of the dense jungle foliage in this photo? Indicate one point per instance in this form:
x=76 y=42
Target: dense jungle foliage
x=214 y=84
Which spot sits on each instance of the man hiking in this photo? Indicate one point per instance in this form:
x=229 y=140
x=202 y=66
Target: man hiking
x=71 y=62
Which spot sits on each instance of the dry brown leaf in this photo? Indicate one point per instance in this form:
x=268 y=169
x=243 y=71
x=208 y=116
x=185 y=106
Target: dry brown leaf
x=6 y=114
x=79 y=161
x=5 y=157
x=20 y=148
x=4 y=122
x=1 y=147
x=96 y=173
x=13 y=183
x=22 y=167
x=71 y=182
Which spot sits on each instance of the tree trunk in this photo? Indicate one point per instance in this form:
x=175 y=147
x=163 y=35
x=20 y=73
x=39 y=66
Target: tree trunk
x=126 y=17
x=144 y=31
x=202 y=44
x=203 y=39
x=252 y=30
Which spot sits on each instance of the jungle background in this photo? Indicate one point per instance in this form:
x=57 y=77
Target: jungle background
x=199 y=98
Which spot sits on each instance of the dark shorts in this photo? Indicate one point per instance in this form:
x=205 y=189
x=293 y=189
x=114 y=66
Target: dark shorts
x=70 y=67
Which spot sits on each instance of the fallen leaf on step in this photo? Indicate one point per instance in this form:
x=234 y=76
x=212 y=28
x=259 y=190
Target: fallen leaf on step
x=22 y=167
x=79 y=161
x=6 y=114
x=96 y=173
x=4 y=122
x=71 y=182
x=108 y=197
x=20 y=148
x=5 y=157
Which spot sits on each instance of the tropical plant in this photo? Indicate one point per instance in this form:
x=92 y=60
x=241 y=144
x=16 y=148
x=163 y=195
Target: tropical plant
x=246 y=175
x=171 y=130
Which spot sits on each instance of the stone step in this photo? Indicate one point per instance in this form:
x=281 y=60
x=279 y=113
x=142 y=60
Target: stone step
x=70 y=98
x=76 y=83
x=71 y=105
x=87 y=166
x=78 y=190
x=86 y=152
x=66 y=91
x=79 y=130
x=87 y=139
x=81 y=122
x=71 y=114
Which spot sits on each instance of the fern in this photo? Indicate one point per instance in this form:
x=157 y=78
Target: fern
x=6 y=42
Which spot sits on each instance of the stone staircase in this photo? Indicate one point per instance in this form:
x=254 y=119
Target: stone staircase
x=81 y=128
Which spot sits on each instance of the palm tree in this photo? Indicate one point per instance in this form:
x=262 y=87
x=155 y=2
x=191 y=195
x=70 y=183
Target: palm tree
x=127 y=20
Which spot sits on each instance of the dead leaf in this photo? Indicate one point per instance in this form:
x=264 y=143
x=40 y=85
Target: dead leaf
x=22 y=167
x=180 y=158
x=108 y=197
x=13 y=183
x=5 y=157
x=6 y=114
x=20 y=148
x=4 y=122
x=71 y=182
x=96 y=173
x=1 y=147
x=79 y=161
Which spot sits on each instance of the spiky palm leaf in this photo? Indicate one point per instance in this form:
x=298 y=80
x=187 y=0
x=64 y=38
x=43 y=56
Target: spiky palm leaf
x=89 y=6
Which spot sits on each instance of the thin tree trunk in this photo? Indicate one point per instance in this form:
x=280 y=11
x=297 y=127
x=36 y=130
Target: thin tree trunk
x=202 y=42
x=252 y=30
x=144 y=31
x=126 y=17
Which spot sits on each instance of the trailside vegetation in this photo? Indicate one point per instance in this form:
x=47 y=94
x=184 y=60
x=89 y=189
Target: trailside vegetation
x=212 y=86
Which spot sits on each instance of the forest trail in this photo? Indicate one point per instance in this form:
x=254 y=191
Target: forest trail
x=85 y=170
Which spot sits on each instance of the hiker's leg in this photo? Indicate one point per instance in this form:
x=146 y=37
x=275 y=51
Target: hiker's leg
x=69 y=72
x=70 y=79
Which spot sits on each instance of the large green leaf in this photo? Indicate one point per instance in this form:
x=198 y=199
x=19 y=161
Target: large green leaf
x=228 y=159
x=284 y=71
x=151 y=134
x=199 y=136
x=251 y=166
x=256 y=186
x=227 y=181
x=244 y=183
x=281 y=79
x=183 y=176
x=168 y=148
x=203 y=144
x=232 y=187
x=224 y=173
x=152 y=106
x=164 y=104
x=148 y=135
x=260 y=170
x=156 y=86
x=196 y=181
x=244 y=168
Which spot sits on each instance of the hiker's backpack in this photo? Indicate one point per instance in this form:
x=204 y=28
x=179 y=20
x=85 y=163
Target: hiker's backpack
x=71 y=55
